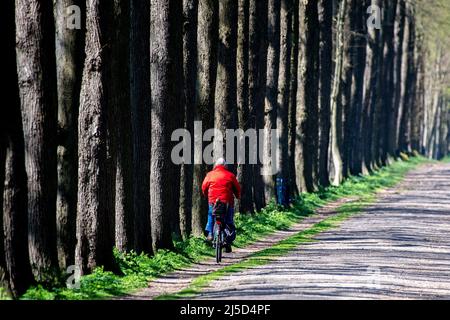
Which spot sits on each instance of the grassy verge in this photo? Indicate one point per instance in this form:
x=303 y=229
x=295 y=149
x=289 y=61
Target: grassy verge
x=138 y=270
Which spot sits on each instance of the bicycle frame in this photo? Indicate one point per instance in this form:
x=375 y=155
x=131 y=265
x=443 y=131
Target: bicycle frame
x=218 y=236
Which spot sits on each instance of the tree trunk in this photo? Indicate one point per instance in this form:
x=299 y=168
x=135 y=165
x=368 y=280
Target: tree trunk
x=300 y=116
x=14 y=256
x=207 y=32
x=190 y=8
x=410 y=88
x=399 y=76
x=4 y=285
x=377 y=98
x=358 y=62
x=257 y=87
x=284 y=80
x=390 y=7
x=325 y=57
x=369 y=97
x=140 y=119
x=15 y=209
x=442 y=145
x=293 y=191
x=270 y=102
x=95 y=227
x=35 y=47
x=69 y=66
x=346 y=89
x=307 y=98
x=336 y=107
x=122 y=151
x=244 y=172
x=166 y=63
x=225 y=95
x=417 y=111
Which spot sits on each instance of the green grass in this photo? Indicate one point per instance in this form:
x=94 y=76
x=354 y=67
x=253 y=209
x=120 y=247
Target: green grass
x=138 y=270
x=446 y=159
x=3 y=294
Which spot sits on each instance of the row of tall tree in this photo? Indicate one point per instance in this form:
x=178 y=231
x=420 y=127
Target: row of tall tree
x=86 y=137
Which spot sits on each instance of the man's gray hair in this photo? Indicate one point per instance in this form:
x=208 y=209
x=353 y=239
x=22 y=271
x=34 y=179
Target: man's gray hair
x=220 y=162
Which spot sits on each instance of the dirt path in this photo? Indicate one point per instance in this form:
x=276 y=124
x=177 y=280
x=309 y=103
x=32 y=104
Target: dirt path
x=176 y=281
x=398 y=248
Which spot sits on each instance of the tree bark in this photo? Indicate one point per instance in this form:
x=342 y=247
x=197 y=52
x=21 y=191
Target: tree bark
x=166 y=63
x=120 y=126
x=293 y=191
x=417 y=111
x=358 y=61
x=225 y=94
x=69 y=66
x=325 y=57
x=390 y=7
x=244 y=172
x=190 y=8
x=410 y=88
x=257 y=87
x=377 y=99
x=15 y=218
x=336 y=106
x=284 y=79
x=140 y=120
x=4 y=285
x=345 y=90
x=95 y=226
x=35 y=48
x=207 y=33
x=270 y=102
x=15 y=270
x=307 y=98
x=399 y=76
x=370 y=97
x=300 y=116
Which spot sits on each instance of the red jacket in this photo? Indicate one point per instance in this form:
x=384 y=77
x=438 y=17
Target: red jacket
x=221 y=183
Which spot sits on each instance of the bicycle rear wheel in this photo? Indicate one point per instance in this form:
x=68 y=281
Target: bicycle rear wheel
x=219 y=245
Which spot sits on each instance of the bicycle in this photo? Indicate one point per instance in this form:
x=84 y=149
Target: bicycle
x=219 y=236
x=219 y=229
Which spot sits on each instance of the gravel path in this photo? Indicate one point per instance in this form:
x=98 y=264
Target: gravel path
x=399 y=248
x=178 y=280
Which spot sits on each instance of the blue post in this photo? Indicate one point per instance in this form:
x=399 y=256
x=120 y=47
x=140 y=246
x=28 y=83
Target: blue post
x=281 y=192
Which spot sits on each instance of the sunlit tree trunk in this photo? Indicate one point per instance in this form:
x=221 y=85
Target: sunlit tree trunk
x=336 y=106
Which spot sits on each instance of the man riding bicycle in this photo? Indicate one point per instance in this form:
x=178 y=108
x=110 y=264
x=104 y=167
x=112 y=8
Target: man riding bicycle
x=221 y=184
